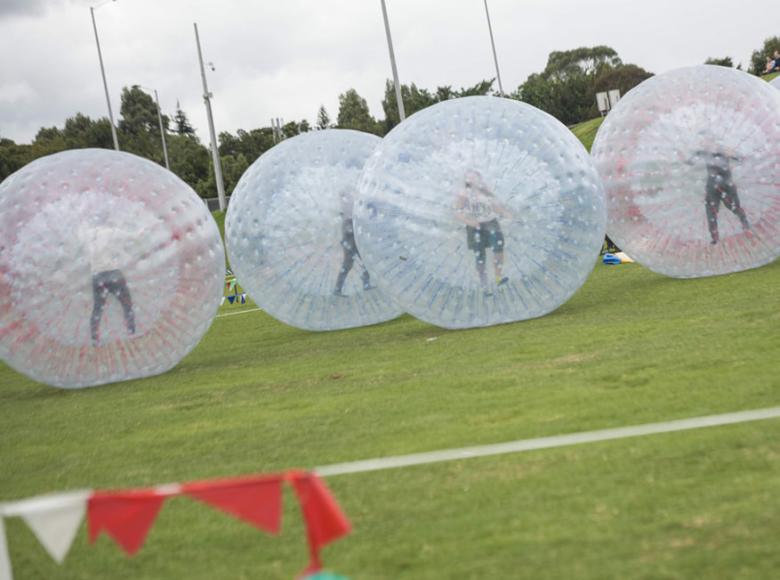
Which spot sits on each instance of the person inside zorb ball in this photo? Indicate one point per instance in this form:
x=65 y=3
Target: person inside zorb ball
x=290 y=234
x=111 y=268
x=479 y=211
x=691 y=168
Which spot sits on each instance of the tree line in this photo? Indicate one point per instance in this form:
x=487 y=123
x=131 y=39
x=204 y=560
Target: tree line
x=566 y=89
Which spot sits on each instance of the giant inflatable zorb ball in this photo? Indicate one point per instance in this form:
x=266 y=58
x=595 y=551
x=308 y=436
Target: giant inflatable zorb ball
x=111 y=268
x=290 y=238
x=691 y=166
x=479 y=211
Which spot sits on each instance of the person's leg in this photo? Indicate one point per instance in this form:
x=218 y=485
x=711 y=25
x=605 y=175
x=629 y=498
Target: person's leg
x=99 y=293
x=712 y=205
x=122 y=293
x=364 y=275
x=731 y=201
x=480 y=255
x=346 y=265
x=497 y=243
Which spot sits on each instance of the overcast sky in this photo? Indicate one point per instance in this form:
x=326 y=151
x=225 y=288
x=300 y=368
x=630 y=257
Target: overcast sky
x=284 y=58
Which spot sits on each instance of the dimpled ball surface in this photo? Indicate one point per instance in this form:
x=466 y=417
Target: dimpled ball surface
x=470 y=183
x=111 y=268
x=289 y=233
x=690 y=161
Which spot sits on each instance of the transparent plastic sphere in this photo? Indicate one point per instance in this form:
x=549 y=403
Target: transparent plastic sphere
x=480 y=211
x=111 y=268
x=690 y=161
x=290 y=237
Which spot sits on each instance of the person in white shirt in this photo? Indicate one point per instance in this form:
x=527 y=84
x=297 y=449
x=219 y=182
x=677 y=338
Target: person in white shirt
x=108 y=256
x=479 y=210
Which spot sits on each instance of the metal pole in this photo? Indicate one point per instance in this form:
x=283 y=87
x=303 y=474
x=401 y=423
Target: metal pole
x=493 y=44
x=398 y=98
x=162 y=131
x=105 y=84
x=214 y=150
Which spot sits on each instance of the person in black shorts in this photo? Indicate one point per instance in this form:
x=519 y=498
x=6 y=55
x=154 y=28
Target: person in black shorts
x=349 y=248
x=479 y=210
x=720 y=188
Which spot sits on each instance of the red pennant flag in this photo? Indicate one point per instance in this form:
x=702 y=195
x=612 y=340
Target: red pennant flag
x=256 y=500
x=325 y=522
x=126 y=516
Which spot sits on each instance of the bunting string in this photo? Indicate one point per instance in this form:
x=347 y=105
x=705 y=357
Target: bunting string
x=127 y=515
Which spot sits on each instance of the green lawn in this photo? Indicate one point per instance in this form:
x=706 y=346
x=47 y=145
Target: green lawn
x=586 y=132
x=256 y=396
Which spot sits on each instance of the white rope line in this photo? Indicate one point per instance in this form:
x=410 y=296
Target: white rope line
x=546 y=442
x=234 y=313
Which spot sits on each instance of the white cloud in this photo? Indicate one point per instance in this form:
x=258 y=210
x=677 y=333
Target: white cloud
x=286 y=58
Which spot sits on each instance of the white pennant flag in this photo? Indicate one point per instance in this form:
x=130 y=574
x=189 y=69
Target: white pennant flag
x=54 y=519
x=5 y=561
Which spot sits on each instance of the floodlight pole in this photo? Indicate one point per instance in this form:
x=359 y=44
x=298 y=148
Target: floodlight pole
x=493 y=45
x=105 y=84
x=212 y=133
x=162 y=131
x=399 y=100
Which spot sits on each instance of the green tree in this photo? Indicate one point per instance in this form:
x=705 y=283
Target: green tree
x=232 y=170
x=725 y=61
x=13 y=157
x=251 y=144
x=354 y=113
x=567 y=87
x=562 y=65
x=181 y=122
x=624 y=78
x=294 y=128
x=758 y=58
x=138 y=125
x=189 y=159
x=323 y=119
x=81 y=131
x=48 y=140
x=415 y=99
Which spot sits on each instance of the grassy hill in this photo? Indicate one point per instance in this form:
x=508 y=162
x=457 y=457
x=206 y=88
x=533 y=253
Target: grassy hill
x=586 y=132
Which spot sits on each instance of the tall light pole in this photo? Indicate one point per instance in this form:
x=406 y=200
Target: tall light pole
x=493 y=45
x=162 y=131
x=398 y=98
x=103 y=74
x=162 y=128
x=214 y=150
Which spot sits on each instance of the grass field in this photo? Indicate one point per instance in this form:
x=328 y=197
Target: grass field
x=257 y=396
